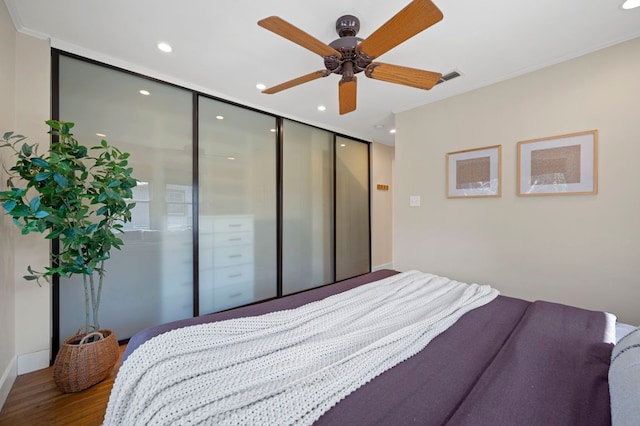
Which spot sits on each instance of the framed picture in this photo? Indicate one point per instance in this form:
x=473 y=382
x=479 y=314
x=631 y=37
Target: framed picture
x=474 y=173
x=565 y=164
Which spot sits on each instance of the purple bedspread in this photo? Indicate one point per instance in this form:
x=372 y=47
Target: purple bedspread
x=510 y=362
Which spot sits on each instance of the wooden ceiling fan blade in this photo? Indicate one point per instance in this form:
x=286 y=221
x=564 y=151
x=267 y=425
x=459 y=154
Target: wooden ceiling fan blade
x=347 y=91
x=296 y=81
x=417 y=16
x=281 y=27
x=403 y=75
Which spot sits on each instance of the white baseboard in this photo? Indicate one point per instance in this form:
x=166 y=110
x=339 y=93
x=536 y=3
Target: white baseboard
x=33 y=361
x=384 y=266
x=7 y=380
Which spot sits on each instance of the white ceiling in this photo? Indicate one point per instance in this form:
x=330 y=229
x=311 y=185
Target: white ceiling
x=220 y=50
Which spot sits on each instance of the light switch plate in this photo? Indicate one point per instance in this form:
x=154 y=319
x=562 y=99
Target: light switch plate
x=414 y=201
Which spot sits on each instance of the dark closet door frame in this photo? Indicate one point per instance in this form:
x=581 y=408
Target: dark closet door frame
x=55 y=247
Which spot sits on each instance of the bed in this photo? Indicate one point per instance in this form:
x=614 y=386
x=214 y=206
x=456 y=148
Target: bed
x=505 y=362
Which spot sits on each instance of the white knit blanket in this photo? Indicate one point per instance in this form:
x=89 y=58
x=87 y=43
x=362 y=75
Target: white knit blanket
x=286 y=367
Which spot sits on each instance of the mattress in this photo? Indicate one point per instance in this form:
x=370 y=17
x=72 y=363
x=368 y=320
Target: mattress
x=508 y=362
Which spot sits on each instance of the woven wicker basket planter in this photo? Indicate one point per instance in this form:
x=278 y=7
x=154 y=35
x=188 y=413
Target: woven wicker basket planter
x=80 y=365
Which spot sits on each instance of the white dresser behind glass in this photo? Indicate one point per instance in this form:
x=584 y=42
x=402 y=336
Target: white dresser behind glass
x=226 y=262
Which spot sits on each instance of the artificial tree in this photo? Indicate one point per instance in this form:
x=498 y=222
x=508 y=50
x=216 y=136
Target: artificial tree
x=75 y=194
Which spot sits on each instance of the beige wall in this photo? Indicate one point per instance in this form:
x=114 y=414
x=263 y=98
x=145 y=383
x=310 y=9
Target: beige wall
x=582 y=250
x=382 y=157
x=7 y=290
x=25 y=308
x=33 y=305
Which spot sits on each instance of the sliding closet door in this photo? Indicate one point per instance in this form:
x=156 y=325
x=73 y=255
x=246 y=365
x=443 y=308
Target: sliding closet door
x=307 y=222
x=237 y=206
x=353 y=243
x=150 y=280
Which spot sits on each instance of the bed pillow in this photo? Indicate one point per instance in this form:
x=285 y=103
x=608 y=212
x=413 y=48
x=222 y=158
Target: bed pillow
x=624 y=380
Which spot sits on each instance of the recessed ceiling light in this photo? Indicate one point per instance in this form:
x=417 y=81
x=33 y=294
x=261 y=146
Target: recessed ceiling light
x=631 y=4
x=145 y=92
x=219 y=117
x=272 y=130
x=101 y=135
x=165 y=47
x=261 y=86
x=322 y=108
x=392 y=131
x=231 y=158
x=343 y=145
x=379 y=126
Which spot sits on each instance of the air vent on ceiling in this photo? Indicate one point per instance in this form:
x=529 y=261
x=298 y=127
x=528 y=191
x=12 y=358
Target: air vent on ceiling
x=449 y=76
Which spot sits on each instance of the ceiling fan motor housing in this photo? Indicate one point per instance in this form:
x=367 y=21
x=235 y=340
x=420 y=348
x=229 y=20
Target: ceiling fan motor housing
x=352 y=61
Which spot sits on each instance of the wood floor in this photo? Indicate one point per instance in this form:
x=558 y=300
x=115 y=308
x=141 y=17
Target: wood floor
x=35 y=400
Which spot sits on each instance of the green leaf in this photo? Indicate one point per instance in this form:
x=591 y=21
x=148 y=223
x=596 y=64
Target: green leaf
x=61 y=180
x=52 y=218
x=82 y=152
x=34 y=205
x=26 y=149
x=7 y=135
x=39 y=177
x=39 y=162
x=42 y=225
x=9 y=206
x=53 y=124
x=41 y=214
x=53 y=234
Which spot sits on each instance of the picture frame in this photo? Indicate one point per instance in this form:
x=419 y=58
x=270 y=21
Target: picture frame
x=559 y=165
x=475 y=172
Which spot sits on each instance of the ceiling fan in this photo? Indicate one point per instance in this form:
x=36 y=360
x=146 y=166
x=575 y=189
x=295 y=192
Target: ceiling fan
x=350 y=55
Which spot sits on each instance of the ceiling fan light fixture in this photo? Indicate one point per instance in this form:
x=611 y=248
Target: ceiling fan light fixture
x=630 y=4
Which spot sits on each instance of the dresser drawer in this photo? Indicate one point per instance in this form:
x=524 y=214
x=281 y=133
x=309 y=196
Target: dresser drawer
x=232 y=296
x=224 y=239
x=232 y=275
x=233 y=224
x=234 y=255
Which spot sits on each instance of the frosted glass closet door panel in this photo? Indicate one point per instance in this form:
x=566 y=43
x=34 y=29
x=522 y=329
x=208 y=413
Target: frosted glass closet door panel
x=307 y=231
x=237 y=199
x=150 y=281
x=353 y=247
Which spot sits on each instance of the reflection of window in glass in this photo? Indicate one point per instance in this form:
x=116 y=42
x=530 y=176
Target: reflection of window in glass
x=179 y=205
x=473 y=173
x=555 y=165
x=140 y=218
